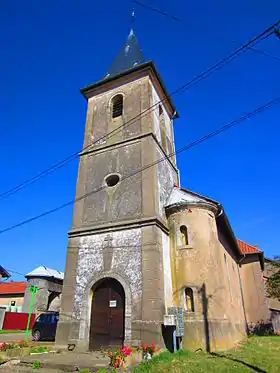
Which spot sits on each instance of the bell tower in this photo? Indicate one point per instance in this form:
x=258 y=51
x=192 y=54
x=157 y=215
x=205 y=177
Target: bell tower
x=118 y=263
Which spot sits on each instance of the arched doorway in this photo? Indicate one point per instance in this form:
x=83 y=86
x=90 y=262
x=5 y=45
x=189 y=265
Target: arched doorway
x=107 y=314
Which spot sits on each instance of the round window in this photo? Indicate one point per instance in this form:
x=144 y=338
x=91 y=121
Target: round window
x=112 y=180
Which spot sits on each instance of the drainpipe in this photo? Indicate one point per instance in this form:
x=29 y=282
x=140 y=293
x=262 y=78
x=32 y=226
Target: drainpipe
x=242 y=295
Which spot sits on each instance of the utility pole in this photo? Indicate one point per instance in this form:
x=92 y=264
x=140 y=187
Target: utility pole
x=33 y=290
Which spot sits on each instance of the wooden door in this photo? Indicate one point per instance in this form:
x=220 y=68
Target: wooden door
x=107 y=314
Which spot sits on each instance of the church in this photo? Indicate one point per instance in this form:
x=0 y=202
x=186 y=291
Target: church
x=139 y=242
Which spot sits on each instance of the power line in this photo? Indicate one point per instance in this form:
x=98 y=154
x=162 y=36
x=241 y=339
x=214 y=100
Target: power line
x=184 y=148
x=156 y=10
x=266 y=33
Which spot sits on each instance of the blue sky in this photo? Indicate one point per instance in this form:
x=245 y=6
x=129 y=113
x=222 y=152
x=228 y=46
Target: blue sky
x=50 y=49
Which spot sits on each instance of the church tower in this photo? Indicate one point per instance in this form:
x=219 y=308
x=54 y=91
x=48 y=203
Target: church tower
x=118 y=284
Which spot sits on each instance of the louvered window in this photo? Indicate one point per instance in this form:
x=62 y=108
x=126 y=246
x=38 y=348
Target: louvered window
x=117 y=106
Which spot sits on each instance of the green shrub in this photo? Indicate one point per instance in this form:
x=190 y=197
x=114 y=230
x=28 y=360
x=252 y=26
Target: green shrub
x=36 y=365
x=37 y=350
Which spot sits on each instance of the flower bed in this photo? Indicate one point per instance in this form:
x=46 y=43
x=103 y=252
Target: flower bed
x=20 y=348
x=125 y=356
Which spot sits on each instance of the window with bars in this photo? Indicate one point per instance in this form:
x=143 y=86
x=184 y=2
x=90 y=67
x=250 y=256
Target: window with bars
x=117 y=106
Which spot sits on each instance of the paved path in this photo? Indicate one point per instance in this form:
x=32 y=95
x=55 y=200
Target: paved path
x=69 y=361
x=25 y=369
x=13 y=337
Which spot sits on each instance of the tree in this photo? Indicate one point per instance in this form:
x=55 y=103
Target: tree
x=273 y=282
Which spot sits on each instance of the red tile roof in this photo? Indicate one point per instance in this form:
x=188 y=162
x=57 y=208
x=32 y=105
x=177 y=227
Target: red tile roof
x=12 y=288
x=247 y=249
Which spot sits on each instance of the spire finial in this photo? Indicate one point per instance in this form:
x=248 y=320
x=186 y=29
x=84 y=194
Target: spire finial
x=132 y=17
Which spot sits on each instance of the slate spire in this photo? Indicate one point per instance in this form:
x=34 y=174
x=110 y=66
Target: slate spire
x=129 y=56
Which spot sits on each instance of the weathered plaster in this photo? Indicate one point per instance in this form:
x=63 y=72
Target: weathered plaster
x=168 y=293
x=166 y=177
x=167 y=120
x=125 y=266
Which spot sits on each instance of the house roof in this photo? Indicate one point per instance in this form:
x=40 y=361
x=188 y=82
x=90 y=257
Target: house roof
x=129 y=56
x=4 y=273
x=180 y=196
x=12 y=288
x=43 y=271
x=245 y=248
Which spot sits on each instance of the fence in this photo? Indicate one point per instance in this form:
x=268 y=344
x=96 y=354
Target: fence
x=17 y=321
x=276 y=321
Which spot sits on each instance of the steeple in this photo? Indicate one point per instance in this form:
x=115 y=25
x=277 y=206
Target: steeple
x=128 y=57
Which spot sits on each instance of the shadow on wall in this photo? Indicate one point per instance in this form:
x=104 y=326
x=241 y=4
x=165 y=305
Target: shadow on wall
x=167 y=335
x=204 y=301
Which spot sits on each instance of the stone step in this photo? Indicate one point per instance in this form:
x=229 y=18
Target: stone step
x=68 y=361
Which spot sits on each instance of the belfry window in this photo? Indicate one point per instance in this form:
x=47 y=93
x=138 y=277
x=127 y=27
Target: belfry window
x=189 y=302
x=117 y=106
x=184 y=235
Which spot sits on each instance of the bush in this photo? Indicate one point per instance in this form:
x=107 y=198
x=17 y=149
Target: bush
x=261 y=328
x=36 y=365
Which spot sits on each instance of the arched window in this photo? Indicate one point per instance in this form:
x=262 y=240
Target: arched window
x=184 y=235
x=117 y=106
x=189 y=303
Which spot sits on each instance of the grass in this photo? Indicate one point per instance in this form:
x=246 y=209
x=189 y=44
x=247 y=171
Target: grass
x=258 y=354
x=11 y=331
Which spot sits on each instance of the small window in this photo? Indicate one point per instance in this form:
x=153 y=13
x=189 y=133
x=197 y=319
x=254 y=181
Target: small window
x=184 y=235
x=40 y=318
x=112 y=180
x=189 y=303
x=13 y=303
x=160 y=111
x=117 y=106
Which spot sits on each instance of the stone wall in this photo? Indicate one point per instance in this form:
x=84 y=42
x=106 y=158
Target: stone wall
x=256 y=304
x=269 y=269
x=47 y=297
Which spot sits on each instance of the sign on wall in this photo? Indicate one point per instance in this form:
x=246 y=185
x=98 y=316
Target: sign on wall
x=178 y=313
x=113 y=303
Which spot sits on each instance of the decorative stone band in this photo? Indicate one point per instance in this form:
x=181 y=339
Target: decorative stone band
x=148 y=322
x=185 y=205
x=116 y=226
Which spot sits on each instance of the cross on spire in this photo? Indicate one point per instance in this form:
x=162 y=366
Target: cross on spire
x=132 y=17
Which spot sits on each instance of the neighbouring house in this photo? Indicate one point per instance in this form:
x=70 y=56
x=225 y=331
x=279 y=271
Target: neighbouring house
x=4 y=273
x=253 y=287
x=141 y=244
x=49 y=283
x=273 y=303
x=12 y=295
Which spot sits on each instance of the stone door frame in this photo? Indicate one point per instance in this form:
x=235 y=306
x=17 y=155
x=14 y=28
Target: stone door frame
x=84 y=333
